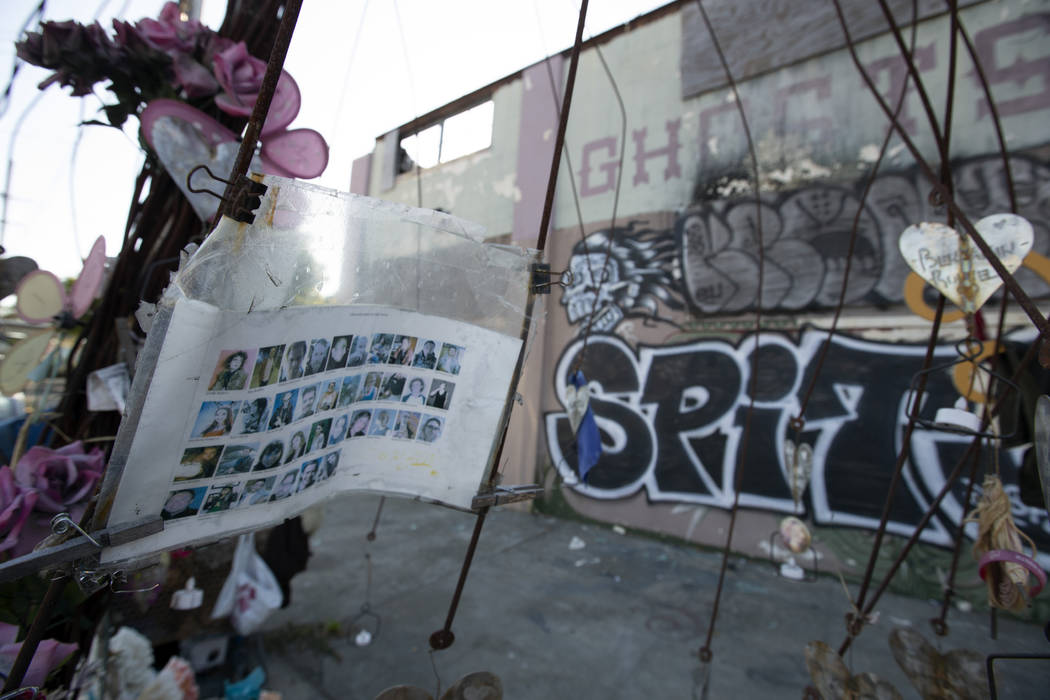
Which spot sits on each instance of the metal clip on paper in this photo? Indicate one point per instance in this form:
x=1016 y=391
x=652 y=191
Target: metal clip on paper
x=541 y=278
x=246 y=195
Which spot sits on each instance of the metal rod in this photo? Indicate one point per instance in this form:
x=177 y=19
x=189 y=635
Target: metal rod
x=34 y=635
x=262 y=103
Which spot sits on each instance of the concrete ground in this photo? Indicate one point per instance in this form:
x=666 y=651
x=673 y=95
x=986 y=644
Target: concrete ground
x=621 y=617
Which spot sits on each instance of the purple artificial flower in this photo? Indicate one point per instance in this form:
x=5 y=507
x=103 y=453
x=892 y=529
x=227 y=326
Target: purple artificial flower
x=16 y=503
x=193 y=78
x=240 y=75
x=49 y=655
x=169 y=32
x=62 y=477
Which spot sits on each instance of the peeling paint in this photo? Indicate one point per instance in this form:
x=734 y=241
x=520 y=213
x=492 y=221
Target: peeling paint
x=506 y=187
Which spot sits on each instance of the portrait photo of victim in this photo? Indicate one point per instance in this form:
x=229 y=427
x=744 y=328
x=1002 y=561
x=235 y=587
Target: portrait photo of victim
x=331 y=461
x=426 y=356
x=237 y=459
x=267 y=366
x=415 y=395
x=253 y=416
x=382 y=422
x=296 y=447
x=358 y=351
x=283 y=409
x=319 y=435
x=380 y=349
x=449 y=359
x=182 y=503
x=349 y=390
x=404 y=346
x=198 y=463
x=294 y=359
x=370 y=390
x=308 y=477
x=431 y=429
x=338 y=353
x=286 y=485
x=339 y=428
x=318 y=356
x=393 y=385
x=220 y=498
x=256 y=491
x=406 y=426
x=231 y=373
x=329 y=396
x=307 y=402
x=270 y=457
x=440 y=395
x=359 y=424
x=215 y=419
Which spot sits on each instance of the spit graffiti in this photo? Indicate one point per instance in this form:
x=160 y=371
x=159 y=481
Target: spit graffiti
x=672 y=420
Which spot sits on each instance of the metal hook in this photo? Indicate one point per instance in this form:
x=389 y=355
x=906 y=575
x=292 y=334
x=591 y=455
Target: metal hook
x=61 y=523
x=122 y=577
x=204 y=190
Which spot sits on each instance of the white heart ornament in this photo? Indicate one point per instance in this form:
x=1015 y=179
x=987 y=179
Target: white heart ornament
x=576 y=402
x=799 y=462
x=932 y=250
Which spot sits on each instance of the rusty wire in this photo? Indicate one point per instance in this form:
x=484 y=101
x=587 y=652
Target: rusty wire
x=704 y=652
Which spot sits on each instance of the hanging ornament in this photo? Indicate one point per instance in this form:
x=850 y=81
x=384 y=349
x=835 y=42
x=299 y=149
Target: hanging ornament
x=959 y=674
x=588 y=439
x=951 y=265
x=798 y=458
x=187 y=598
x=41 y=298
x=1001 y=563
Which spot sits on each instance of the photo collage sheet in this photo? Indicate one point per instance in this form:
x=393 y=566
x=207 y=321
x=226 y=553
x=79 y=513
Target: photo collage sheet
x=276 y=421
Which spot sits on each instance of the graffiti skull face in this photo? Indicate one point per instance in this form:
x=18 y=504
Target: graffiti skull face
x=590 y=289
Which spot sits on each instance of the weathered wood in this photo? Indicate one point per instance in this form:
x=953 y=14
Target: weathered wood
x=502 y=495
x=763 y=35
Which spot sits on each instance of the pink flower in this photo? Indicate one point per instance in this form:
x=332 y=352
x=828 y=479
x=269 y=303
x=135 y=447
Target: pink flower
x=61 y=477
x=49 y=655
x=16 y=503
x=170 y=32
x=240 y=76
x=193 y=78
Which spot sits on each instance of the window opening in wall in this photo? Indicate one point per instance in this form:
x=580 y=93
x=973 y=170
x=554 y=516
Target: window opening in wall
x=461 y=134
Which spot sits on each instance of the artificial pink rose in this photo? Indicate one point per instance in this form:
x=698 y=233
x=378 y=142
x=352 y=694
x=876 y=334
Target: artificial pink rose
x=16 y=504
x=169 y=32
x=49 y=655
x=62 y=477
x=240 y=75
x=193 y=78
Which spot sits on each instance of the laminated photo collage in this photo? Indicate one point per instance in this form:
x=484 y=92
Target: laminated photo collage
x=276 y=420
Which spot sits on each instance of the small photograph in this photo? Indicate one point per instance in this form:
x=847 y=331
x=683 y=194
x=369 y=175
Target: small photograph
x=307 y=402
x=449 y=359
x=294 y=358
x=416 y=394
x=253 y=416
x=286 y=485
x=220 y=498
x=440 y=395
x=319 y=435
x=231 y=373
x=215 y=419
x=338 y=353
x=237 y=459
x=296 y=447
x=183 y=503
x=198 y=463
x=308 y=477
x=426 y=356
x=358 y=351
x=267 y=366
x=318 y=356
x=431 y=430
x=270 y=457
x=382 y=421
x=328 y=464
x=348 y=393
x=256 y=491
x=370 y=390
x=359 y=424
x=407 y=425
x=393 y=385
x=339 y=428
x=329 y=395
x=380 y=349
x=283 y=409
x=404 y=346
